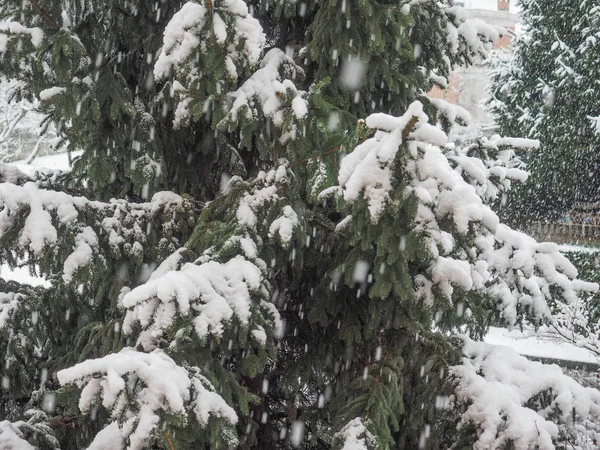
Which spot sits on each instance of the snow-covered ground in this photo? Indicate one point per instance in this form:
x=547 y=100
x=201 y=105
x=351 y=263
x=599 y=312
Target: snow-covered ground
x=59 y=161
x=578 y=248
x=526 y=343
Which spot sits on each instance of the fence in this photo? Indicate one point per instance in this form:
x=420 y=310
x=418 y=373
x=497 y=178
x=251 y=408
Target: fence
x=565 y=232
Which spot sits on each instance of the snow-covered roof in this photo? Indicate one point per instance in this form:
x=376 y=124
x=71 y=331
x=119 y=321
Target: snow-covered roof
x=540 y=346
x=490 y=5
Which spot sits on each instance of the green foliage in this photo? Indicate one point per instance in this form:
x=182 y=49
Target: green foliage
x=587 y=263
x=317 y=344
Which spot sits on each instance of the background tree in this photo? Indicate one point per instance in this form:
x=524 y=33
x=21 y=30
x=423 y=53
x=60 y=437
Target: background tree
x=23 y=132
x=548 y=90
x=241 y=258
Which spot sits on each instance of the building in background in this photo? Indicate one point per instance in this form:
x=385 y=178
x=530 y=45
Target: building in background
x=468 y=86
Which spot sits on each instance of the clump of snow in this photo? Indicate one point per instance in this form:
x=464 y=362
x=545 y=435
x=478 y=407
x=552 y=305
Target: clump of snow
x=493 y=174
x=48 y=211
x=511 y=400
x=232 y=26
x=284 y=225
x=170 y=263
x=355 y=436
x=160 y=386
x=47 y=94
x=83 y=253
x=110 y=438
x=344 y=223
x=470 y=36
x=251 y=203
x=516 y=143
x=9 y=302
x=264 y=90
x=453 y=113
x=265 y=192
x=214 y=293
x=180 y=38
x=259 y=335
x=368 y=169
x=12 y=438
x=15 y=29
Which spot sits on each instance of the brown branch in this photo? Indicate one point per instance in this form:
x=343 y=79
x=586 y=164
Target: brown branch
x=303 y=161
x=199 y=97
x=62 y=422
x=169 y=440
x=410 y=127
x=44 y=14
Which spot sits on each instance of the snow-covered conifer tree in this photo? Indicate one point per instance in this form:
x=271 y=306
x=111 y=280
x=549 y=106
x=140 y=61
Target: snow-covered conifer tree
x=268 y=241
x=548 y=90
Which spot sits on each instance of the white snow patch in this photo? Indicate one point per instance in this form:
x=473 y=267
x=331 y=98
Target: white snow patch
x=47 y=94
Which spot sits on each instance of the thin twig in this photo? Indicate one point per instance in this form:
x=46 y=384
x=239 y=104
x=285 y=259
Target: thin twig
x=44 y=14
x=169 y=440
x=328 y=152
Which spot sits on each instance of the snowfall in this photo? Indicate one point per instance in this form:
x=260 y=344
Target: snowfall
x=527 y=343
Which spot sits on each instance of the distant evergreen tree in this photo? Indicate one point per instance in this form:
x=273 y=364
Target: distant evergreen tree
x=548 y=90
x=265 y=243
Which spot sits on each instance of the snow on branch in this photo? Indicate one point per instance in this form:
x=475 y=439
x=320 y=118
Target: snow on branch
x=575 y=323
x=270 y=91
x=451 y=112
x=155 y=383
x=109 y=438
x=20 y=307
x=216 y=290
x=224 y=36
x=11 y=437
x=40 y=216
x=11 y=174
x=524 y=273
x=284 y=225
x=228 y=21
x=451 y=187
x=12 y=29
x=266 y=190
x=517 y=403
x=368 y=169
x=355 y=436
x=491 y=166
x=10 y=302
x=212 y=293
x=470 y=36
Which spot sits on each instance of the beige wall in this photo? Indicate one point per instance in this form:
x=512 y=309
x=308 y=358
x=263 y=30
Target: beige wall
x=467 y=87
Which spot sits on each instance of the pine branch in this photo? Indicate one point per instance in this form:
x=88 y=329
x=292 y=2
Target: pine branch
x=44 y=14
